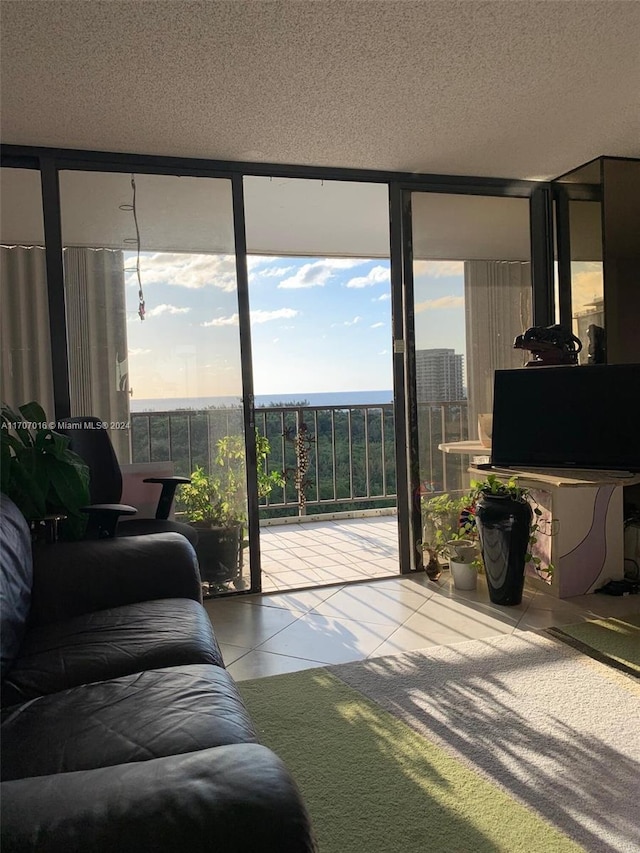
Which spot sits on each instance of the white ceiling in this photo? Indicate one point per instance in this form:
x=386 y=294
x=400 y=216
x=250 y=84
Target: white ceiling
x=515 y=89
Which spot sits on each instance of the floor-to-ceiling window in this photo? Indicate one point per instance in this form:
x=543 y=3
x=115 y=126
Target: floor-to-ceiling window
x=318 y=256
x=138 y=239
x=472 y=295
x=153 y=341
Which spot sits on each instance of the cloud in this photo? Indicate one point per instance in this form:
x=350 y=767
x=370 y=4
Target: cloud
x=256 y=317
x=193 y=271
x=438 y=269
x=139 y=351
x=255 y=261
x=262 y=266
x=384 y=352
x=259 y=316
x=343 y=263
x=317 y=273
x=442 y=303
x=274 y=272
x=376 y=275
x=385 y=297
x=347 y=322
x=231 y=320
x=159 y=310
x=377 y=325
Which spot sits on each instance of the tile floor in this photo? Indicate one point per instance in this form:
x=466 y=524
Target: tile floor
x=312 y=553
x=268 y=634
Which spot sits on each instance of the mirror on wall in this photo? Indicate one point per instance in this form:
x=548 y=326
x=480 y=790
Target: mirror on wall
x=580 y=261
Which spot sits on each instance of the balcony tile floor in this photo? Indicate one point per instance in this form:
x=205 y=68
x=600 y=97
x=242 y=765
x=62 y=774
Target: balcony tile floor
x=327 y=552
x=279 y=632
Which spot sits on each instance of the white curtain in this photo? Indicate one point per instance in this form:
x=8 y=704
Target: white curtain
x=97 y=338
x=24 y=327
x=96 y=333
x=497 y=297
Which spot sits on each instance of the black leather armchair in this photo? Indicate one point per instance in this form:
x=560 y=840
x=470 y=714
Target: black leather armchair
x=93 y=445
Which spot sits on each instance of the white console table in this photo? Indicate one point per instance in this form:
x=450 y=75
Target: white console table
x=583 y=522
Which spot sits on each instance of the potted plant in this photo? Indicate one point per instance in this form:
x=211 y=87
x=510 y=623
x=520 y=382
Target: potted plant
x=47 y=481
x=215 y=504
x=506 y=517
x=463 y=560
x=444 y=516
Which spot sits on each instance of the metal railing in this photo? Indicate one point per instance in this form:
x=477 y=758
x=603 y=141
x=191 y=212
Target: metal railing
x=333 y=458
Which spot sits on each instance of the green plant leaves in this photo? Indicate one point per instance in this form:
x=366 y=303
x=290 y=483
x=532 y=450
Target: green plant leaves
x=449 y=519
x=219 y=498
x=39 y=473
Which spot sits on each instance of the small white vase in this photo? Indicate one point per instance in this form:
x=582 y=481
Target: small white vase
x=465 y=575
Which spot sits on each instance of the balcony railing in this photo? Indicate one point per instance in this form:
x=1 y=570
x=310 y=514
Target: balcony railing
x=334 y=459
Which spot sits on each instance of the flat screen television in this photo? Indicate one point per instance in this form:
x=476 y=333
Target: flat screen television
x=567 y=417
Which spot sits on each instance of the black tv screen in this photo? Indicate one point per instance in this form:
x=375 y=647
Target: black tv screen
x=567 y=417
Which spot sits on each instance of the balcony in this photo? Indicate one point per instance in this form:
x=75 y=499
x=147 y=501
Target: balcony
x=335 y=518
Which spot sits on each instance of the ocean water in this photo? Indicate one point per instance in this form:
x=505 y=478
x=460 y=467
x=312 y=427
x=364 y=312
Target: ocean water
x=326 y=398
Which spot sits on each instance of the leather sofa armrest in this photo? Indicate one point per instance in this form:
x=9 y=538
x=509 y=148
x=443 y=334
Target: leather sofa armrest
x=72 y=578
x=238 y=798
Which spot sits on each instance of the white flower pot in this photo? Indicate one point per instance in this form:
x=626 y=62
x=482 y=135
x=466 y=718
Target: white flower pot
x=465 y=575
x=462 y=550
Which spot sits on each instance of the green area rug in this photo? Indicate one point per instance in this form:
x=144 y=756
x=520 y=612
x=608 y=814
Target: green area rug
x=613 y=641
x=514 y=744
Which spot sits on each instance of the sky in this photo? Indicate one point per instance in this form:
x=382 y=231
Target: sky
x=317 y=324
x=587 y=284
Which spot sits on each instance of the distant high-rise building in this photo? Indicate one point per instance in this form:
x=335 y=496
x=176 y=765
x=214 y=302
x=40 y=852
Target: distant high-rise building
x=439 y=375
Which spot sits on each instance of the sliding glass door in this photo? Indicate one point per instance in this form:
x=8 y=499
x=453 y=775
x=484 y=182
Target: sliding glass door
x=319 y=284
x=154 y=346
x=471 y=294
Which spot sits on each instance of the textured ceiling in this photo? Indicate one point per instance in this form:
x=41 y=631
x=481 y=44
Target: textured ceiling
x=508 y=89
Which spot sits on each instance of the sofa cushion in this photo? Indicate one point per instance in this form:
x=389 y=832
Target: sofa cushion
x=110 y=643
x=137 y=717
x=231 y=799
x=16 y=575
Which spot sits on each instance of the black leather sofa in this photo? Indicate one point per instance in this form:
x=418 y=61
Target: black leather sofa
x=121 y=729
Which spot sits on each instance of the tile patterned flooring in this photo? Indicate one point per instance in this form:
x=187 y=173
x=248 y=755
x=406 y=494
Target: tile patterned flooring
x=263 y=635
x=313 y=553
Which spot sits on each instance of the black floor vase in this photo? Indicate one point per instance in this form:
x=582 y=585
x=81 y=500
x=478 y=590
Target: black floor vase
x=503 y=529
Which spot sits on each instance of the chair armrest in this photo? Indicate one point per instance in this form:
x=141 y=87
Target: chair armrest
x=169 y=486
x=103 y=519
x=237 y=799
x=71 y=578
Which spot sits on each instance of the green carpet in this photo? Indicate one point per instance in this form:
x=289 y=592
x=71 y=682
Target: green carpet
x=614 y=641
x=375 y=785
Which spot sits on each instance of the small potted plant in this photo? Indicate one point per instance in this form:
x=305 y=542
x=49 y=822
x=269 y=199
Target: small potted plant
x=463 y=562
x=215 y=504
x=443 y=517
x=506 y=517
x=47 y=481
